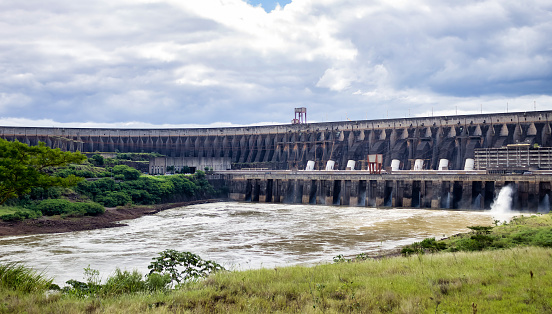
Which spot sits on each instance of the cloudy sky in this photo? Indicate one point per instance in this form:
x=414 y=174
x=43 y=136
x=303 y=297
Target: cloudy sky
x=132 y=63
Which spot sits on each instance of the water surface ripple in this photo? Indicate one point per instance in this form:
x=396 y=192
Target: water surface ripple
x=237 y=235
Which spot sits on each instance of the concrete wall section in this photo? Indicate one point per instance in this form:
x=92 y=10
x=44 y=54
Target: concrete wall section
x=446 y=191
x=282 y=146
x=158 y=165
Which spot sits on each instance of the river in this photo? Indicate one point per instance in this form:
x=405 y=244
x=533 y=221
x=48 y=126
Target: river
x=236 y=235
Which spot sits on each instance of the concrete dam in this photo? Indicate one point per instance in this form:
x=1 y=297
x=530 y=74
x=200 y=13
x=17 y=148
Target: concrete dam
x=280 y=152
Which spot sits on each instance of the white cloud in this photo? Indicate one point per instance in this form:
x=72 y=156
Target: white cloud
x=200 y=62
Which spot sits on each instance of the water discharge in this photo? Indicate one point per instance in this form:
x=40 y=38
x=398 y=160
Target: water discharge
x=237 y=235
x=501 y=208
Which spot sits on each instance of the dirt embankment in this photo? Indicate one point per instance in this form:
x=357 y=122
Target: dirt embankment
x=109 y=219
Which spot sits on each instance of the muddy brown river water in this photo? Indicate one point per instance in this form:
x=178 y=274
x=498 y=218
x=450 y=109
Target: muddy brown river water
x=237 y=235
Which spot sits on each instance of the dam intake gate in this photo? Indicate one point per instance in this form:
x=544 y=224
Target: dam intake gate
x=445 y=191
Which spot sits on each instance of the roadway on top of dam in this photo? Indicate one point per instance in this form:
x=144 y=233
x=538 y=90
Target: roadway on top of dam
x=424 y=175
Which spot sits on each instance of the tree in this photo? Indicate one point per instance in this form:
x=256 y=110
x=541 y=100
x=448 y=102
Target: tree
x=129 y=173
x=97 y=160
x=170 y=169
x=182 y=266
x=23 y=167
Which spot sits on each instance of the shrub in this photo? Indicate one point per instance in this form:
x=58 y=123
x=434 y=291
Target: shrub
x=67 y=208
x=113 y=199
x=91 y=209
x=158 y=282
x=97 y=160
x=21 y=215
x=129 y=173
x=54 y=207
x=124 y=282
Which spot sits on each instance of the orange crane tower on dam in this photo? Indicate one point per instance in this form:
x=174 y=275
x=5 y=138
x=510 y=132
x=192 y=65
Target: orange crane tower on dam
x=420 y=156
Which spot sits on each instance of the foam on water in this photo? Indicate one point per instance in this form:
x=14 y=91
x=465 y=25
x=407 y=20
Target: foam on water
x=237 y=235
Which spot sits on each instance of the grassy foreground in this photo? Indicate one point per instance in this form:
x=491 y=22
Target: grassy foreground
x=505 y=281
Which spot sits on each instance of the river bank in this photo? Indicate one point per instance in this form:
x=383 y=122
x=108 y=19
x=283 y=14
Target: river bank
x=110 y=219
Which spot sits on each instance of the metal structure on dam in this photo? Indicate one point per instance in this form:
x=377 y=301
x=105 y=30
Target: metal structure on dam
x=278 y=149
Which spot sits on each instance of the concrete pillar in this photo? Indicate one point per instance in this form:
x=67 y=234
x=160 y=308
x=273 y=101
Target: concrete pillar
x=329 y=192
x=522 y=201
x=433 y=192
x=406 y=187
x=354 y=196
x=399 y=193
x=305 y=194
x=533 y=201
x=320 y=192
x=238 y=190
x=467 y=197
x=255 y=190
x=345 y=192
x=262 y=191
x=277 y=191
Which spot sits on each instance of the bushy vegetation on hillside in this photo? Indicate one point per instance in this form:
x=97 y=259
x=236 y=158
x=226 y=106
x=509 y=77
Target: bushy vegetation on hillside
x=145 y=190
x=23 y=167
x=108 y=184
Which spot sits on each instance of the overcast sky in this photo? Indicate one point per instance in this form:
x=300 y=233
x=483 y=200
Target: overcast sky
x=133 y=63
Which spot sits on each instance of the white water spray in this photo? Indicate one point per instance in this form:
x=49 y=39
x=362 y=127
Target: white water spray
x=502 y=204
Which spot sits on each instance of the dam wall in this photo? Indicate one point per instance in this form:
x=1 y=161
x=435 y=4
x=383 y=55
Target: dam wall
x=429 y=189
x=431 y=139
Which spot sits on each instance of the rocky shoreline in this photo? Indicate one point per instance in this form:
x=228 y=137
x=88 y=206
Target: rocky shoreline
x=109 y=219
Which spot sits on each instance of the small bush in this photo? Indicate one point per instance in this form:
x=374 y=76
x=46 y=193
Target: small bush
x=113 y=199
x=54 y=207
x=92 y=209
x=21 y=215
x=158 y=282
x=124 y=282
x=128 y=173
x=69 y=209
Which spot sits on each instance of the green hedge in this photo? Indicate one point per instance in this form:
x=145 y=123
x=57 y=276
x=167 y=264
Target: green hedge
x=20 y=215
x=64 y=207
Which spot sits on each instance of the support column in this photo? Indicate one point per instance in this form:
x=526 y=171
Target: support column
x=262 y=190
x=407 y=187
x=329 y=192
x=321 y=192
x=305 y=194
x=466 y=202
x=345 y=192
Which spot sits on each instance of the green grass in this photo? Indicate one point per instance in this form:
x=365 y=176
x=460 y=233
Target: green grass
x=6 y=210
x=17 y=277
x=491 y=281
x=14 y=213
